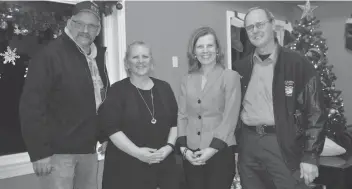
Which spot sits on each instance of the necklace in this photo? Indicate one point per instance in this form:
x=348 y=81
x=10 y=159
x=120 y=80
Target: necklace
x=153 y=121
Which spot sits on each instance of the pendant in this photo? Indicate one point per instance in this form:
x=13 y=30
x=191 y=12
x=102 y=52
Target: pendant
x=153 y=121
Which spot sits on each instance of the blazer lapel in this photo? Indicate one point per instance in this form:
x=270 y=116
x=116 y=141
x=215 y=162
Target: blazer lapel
x=212 y=78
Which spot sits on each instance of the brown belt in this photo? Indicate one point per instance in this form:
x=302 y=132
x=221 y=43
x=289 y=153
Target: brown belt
x=261 y=129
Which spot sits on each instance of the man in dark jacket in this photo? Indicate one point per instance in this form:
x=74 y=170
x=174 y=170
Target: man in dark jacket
x=282 y=115
x=65 y=85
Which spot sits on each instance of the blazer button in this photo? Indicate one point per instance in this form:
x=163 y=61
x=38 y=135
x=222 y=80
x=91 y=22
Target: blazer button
x=198 y=133
x=199 y=101
x=199 y=117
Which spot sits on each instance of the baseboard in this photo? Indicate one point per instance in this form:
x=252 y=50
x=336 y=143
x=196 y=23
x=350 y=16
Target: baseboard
x=15 y=165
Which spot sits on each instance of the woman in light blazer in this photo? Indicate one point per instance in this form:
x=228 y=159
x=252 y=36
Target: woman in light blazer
x=209 y=104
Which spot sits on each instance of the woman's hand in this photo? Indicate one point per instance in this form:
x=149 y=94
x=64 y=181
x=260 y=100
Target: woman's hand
x=202 y=156
x=165 y=151
x=189 y=155
x=149 y=155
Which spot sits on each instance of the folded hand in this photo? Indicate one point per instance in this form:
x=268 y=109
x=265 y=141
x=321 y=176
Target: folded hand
x=202 y=156
x=149 y=155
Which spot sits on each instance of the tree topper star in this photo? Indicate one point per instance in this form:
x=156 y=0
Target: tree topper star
x=10 y=55
x=307 y=9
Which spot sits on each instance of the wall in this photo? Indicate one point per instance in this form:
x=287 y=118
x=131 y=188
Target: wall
x=332 y=16
x=167 y=27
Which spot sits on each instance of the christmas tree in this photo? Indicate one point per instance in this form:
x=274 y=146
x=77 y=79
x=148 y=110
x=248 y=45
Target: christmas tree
x=309 y=41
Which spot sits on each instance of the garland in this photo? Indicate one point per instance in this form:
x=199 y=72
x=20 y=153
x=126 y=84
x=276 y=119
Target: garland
x=24 y=18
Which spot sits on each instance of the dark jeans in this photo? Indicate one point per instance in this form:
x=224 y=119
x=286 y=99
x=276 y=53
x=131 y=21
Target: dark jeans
x=261 y=165
x=217 y=173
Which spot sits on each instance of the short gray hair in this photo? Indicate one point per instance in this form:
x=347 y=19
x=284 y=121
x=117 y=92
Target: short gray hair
x=269 y=14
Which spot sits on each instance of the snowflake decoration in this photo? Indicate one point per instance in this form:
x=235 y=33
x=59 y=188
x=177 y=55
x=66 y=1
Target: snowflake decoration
x=10 y=55
x=17 y=31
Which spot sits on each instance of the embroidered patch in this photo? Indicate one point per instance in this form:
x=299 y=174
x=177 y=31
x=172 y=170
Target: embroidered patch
x=289 y=87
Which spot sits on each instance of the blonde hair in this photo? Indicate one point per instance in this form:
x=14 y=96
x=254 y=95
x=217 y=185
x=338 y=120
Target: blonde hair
x=128 y=52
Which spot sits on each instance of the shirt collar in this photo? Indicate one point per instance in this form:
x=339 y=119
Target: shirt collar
x=93 y=48
x=272 y=58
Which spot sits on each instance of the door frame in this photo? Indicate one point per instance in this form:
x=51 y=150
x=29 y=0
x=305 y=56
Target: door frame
x=229 y=21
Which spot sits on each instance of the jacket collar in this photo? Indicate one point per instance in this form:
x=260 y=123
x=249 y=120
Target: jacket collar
x=271 y=59
x=72 y=47
x=211 y=79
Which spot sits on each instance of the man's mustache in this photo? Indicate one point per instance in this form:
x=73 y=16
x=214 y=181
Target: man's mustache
x=84 y=35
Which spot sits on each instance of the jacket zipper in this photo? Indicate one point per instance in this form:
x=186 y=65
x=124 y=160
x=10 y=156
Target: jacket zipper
x=105 y=90
x=273 y=94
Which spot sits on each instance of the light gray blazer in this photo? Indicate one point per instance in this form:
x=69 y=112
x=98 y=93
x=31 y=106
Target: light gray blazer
x=208 y=117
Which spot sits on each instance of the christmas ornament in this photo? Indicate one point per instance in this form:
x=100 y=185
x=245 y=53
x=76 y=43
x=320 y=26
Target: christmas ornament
x=315 y=54
x=119 y=6
x=17 y=31
x=332 y=111
x=10 y=55
x=3 y=25
x=24 y=31
x=307 y=10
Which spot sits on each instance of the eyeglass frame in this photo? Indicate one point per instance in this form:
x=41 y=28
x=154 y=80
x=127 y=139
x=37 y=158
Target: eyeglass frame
x=81 y=26
x=259 y=25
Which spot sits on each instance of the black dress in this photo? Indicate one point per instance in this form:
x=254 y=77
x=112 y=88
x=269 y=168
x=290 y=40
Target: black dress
x=125 y=110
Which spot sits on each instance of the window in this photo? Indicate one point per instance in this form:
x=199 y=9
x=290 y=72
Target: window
x=26 y=28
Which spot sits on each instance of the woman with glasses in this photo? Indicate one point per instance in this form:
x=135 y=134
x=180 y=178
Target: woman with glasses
x=209 y=103
x=140 y=117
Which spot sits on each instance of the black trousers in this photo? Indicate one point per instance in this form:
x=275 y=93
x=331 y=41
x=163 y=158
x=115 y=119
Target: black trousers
x=217 y=173
x=261 y=165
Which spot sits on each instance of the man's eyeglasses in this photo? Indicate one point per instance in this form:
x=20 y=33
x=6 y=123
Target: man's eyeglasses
x=259 y=25
x=80 y=25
